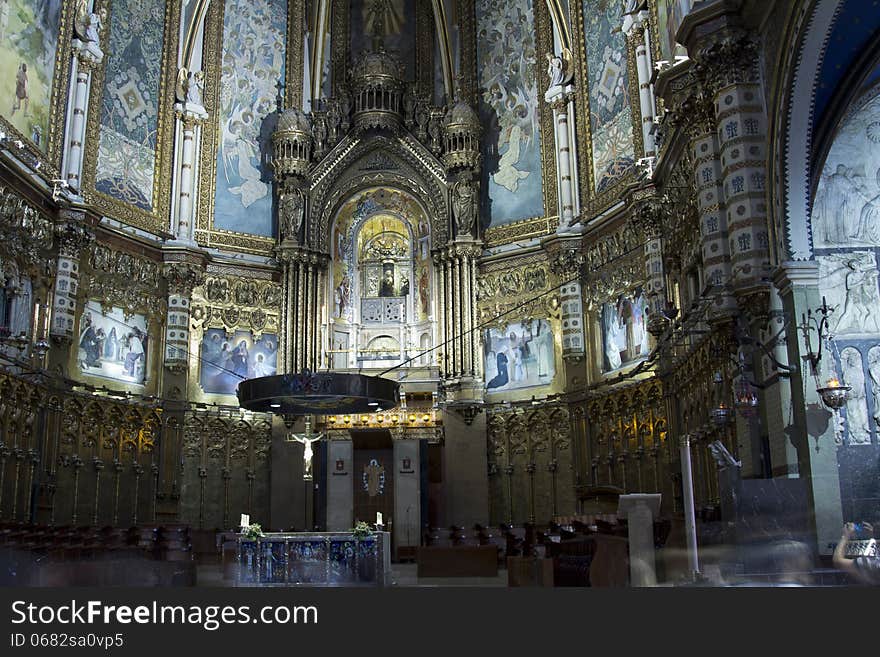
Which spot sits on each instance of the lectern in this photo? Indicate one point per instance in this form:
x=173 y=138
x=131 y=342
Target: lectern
x=640 y=509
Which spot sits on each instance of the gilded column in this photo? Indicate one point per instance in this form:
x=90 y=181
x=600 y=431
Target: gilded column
x=457 y=314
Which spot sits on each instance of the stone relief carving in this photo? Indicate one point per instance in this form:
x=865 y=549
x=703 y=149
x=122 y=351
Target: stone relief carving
x=856 y=405
x=874 y=373
x=124 y=280
x=849 y=283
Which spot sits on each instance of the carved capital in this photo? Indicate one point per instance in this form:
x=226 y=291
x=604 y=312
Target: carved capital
x=183 y=277
x=727 y=57
x=72 y=238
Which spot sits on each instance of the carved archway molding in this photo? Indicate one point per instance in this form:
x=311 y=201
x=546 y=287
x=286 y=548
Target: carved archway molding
x=363 y=166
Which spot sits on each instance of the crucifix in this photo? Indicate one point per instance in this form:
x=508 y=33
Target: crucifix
x=306 y=438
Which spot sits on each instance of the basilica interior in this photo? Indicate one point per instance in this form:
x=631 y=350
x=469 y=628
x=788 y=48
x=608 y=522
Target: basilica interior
x=615 y=257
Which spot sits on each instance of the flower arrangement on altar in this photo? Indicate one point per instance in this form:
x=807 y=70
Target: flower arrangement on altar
x=361 y=530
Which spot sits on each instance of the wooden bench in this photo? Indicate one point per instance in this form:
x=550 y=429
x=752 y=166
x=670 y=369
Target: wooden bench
x=457 y=561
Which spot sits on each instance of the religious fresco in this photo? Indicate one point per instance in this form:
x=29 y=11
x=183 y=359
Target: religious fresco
x=846 y=209
x=624 y=330
x=357 y=214
x=227 y=361
x=130 y=102
x=28 y=42
x=506 y=57
x=111 y=345
x=391 y=23
x=254 y=37
x=521 y=355
x=669 y=16
x=610 y=110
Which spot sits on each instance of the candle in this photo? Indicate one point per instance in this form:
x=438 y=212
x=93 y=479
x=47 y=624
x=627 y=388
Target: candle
x=378 y=518
x=245 y=520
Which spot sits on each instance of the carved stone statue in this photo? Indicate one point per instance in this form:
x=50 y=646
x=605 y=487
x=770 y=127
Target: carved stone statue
x=194 y=88
x=874 y=372
x=856 y=403
x=464 y=206
x=87 y=24
x=291 y=213
x=555 y=70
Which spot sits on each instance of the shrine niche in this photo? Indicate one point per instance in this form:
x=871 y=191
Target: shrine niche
x=381 y=282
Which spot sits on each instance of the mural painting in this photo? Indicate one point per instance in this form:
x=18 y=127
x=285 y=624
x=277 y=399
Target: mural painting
x=28 y=42
x=130 y=104
x=669 y=16
x=610 y=110
x=506 y=57
x=254 y=37
x=227 y=361
x=624 y=330
x=521 y=355
x=111 y=345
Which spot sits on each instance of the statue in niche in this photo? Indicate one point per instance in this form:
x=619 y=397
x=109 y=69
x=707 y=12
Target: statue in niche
x=387 y=287
x=404 y=285
x=291 y=213
x=195 y=85
x=555 y=70
x=874 y=373
x=464 y=206
x=856 y=404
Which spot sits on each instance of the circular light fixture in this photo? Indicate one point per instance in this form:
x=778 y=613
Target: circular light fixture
x=320 y=393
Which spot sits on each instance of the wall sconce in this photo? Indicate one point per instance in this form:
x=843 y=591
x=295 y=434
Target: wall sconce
x=833 y=394
x=721 y=413
x=347 y=419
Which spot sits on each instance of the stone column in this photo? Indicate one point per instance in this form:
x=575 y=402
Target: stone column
x=189 y=120
x=87 y=56
x=181 y=277
x=560 y=99
x=694 y=115
x=301 y=307
x=636 y=29
x=72 y=236
x=726 y=57
x=811 y=427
